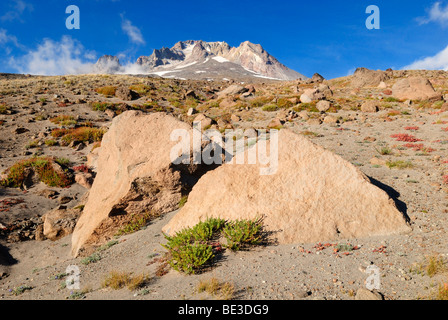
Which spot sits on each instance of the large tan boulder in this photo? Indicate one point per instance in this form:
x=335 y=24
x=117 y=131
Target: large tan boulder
x=135 y=176
x=321 y=92
x=314 y=195
x=415 y=88
x=364 y=77
x=234 y=89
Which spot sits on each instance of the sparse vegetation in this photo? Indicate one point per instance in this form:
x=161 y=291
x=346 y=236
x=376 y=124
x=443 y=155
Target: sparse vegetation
x=222 y=290
x=260 y=101
x=117 y=280
x=399 y=164
x=405 y=137
x=141 y=89
x=136 y=223
x=310 y=107
x=106 y=90
x=391 y=99
x=77 y=295
x=284 y=103
x=384 y=151
x=19 y=290
x=101 y=106
x=107 y=245
x=192 y=248
x=81 y=134
x=51 y=142
x=241 y=234
x=43 y=166
x=183 y=201
x=270 y=107
x=442 y=292
x=4 y=109
x=32 y=144
x=430 y=266
x=64 y=120
x=95 y=257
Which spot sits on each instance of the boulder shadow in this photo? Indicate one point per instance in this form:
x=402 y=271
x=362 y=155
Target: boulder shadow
x=190 y=174
x=394 y=195
x=6 y=259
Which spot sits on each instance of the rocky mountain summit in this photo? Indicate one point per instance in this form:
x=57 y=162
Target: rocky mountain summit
x=205 y=60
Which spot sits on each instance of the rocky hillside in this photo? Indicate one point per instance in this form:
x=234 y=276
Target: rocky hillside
x=362 y=183
x=205 y=60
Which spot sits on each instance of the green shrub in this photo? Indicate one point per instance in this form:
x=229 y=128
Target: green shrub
x=4 y=108
x=270 y=107
x=107 y=245
x=62 y=161
x=44 y=168
x=183 y=201
x=81 y=134
x=106 y=90
x=399 y=164
x=391 y=99
x=136 y=223
x=141 y=89
x=19 y=290
x=192 y=248
x=259 y=101
x=189 y=249
x=284 y=103
x=95 y=257
x=32 y=144
x=50 y=142
x=189 y=258
x=118 y=280
x=64 y=120
x=243 y=233
x=310 y=107
x=207 y=230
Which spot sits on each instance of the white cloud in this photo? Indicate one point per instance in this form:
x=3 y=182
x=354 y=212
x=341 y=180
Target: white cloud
x=67 y=56
x=439 y=61
x=18 y=9
x=133 y=68
x=436 y=13
x=6 y=38
x=132 y=31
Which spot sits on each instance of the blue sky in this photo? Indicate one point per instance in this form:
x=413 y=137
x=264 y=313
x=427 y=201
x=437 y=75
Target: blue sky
x=327 y=36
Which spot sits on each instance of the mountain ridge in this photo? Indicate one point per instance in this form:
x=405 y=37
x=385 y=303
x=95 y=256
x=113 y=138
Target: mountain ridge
x=197 y=59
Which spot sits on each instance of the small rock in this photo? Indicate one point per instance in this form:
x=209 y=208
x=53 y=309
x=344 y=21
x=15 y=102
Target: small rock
x=110 y=113
x=204 y=121
x=377 y=161
x=124 y=93
x=191 y=111
x=323 y=105
x=250 y=133
x=235 y=118
x=275 y=123
x=47 y=193
x=84 y=179
x=370 y=106
x=331 y=119
x=364 y=294
x=314 y=121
